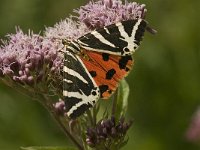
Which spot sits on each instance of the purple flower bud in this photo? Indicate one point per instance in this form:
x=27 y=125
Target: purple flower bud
x=103 y=123
x=113 y=132
x=30 y=80
x=107 y=124
x=113 y=120
x=90 y=142
x=28 y=65
x=119 y=128
x=108 y=3
x=27 y=71
x=60 y=107
x=20 y=72
x=106 y=130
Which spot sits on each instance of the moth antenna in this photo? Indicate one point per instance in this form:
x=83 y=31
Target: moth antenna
x=151 y=30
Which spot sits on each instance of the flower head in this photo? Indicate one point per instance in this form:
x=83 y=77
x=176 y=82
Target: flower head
x=107 y=130
x=29 y=59
x=66 y=29
x=93 y=16
x=106 y=12
x=32 y=62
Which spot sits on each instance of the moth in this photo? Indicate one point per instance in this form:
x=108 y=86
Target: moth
x=95 y=63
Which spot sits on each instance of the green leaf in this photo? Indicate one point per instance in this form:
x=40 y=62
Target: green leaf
x=122 y=99
x=47 y=148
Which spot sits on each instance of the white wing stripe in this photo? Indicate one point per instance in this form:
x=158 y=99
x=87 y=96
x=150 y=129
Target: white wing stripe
x=74 y=73
x=85 y=100
x=131 y=45
x=68 y=81
x=135 y=28
x=101 y=38
x=127 y=38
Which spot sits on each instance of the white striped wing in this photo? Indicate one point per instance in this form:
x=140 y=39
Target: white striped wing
x=122 y=38
x=79 y=89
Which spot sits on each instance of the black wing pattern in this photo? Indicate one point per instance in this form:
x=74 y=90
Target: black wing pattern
x=79 y=89
x=122 y=38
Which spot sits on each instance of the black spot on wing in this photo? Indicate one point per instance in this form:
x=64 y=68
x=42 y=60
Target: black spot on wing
x=105 y=56
x=103 y=88
x=127 y=69
x=93 y=73
x=110 y=74
x=110 y=91
x=124 y=61
x=94 y=93
x=128 y=26
x=126 y=49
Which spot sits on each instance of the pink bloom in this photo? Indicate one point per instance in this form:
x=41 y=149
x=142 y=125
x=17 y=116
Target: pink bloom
x=106 y=12
x=23 y=57
x=193 y=132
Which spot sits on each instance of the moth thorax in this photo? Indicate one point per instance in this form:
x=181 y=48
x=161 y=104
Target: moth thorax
x=65 y=42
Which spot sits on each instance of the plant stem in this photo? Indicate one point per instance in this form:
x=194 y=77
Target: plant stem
x=89 y=114
x=48 y=105
x=95 y=115
x=114 y=103
x=67 y=133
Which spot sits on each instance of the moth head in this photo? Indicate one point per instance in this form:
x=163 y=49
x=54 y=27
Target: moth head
x=65 y=42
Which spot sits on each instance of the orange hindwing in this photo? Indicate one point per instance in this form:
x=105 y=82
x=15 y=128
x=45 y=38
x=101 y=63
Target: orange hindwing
x=107 y=70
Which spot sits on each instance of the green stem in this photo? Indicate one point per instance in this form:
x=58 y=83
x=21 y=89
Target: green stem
x=114 y=103
x=48 y=105
x=95 y=115
x=89 y=114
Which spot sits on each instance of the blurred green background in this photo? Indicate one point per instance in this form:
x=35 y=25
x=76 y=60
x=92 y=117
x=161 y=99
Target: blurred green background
x=165 y=81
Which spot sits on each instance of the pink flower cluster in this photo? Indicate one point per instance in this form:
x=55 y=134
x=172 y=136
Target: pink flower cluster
x=24 y=57
x=28 y=58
